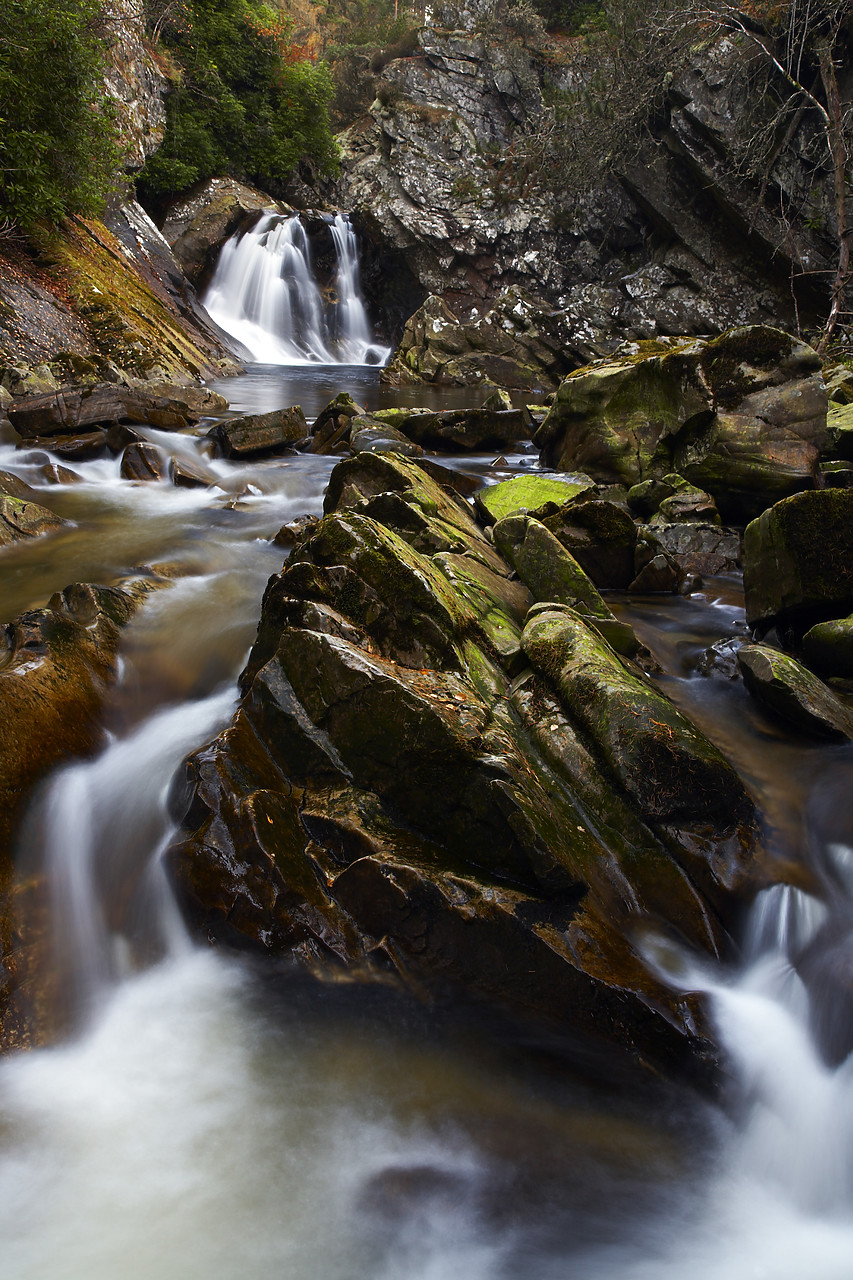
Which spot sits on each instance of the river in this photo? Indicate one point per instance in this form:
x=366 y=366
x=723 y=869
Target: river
x=210 y=1115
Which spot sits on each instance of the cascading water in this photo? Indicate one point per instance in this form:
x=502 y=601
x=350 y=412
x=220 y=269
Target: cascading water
x=265 y=294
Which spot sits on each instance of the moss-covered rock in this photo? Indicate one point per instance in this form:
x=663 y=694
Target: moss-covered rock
x=742 y=416
x=828 y=647
x=786 y=688
x=601 y=536
x=527 y=493
x=798 y=559
x=402 y=792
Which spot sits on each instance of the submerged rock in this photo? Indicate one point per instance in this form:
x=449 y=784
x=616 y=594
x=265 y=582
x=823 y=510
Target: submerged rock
x=742 y=416
x=432 y=775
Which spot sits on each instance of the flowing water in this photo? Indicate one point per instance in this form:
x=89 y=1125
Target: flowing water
x=216 y=1116
x=264 y=293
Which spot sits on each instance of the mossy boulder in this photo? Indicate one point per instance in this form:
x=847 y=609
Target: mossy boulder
x=527 y=493
x=600 y=535
x=742 y=416
x=798 y=559
x=791 y=692
x=839 y=435
x=828 y=648
x=413 y=785
x=369 y=436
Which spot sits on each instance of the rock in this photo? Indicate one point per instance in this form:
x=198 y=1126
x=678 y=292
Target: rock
x=601 y=537
x=119 y=436
x=551 y=574
x=292 y=532
x=742 y=416
x=197 y=228
x=79 y=447
x=144 y=461
x=260 y=433
x=518 y=343
x=526 y=493
x=798 y=559
x=839 y=385
x=835 y=475
x=65 y=411
x=186 y=476
x=839 y=432
x=331 y=428
x=368 y=436
x=466 y=428
x=704 y=549
x=686 y=503
x=21 y=519
x=400 y=793
x=135 y=84
x=791 y=692
x=828 y=648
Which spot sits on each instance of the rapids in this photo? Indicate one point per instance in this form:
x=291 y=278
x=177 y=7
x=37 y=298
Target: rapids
x=218 y=1116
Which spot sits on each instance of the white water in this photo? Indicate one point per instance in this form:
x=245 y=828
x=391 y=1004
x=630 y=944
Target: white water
x=265 y=294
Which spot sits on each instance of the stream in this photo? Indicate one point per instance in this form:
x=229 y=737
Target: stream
x=216 y=1116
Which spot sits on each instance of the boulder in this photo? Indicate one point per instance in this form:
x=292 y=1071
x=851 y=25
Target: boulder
x=798 y=560
x=839 y=432
x=828 y=648
x=788 y=689
x=552 y=574
x=369 y=436
x=467 y=429
x=70 y=409
x=601 y=536
x=260 y=433
x=331 y=428
x=196 y=228
x=22 y=519
x=527 y=493
x=80 y=447
x=742 y=416
x=423 y=782
x=703 y=549
x=144 y=461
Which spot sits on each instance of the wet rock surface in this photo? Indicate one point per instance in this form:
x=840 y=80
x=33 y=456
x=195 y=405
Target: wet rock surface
x=786 y=688
x=431 y=774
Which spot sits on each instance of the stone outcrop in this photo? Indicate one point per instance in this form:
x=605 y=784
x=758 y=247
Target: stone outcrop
x=444 y=179
x=112 y=306
x=135 y=83
x=798 y=560
x=196 y=228
x=742 y=416
x=793 y=693
x=432 y=774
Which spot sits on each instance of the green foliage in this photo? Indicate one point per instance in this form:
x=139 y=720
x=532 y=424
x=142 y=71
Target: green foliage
x=58 y=149
x=247 y=104
x=365 y=25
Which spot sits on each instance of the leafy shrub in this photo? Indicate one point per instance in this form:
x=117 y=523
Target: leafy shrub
x=247 y=103
x=58 y=148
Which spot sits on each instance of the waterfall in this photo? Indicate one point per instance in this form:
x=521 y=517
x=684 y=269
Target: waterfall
x=265 y=294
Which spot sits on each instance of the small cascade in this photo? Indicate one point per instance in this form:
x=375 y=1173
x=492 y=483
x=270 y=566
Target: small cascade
x=265 y=294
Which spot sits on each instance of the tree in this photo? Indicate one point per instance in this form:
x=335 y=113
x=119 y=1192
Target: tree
x=58 y=141
x=247 y=102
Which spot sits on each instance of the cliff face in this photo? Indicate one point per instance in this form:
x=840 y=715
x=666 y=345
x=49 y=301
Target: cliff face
x=135 y=83
x=444 y=178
